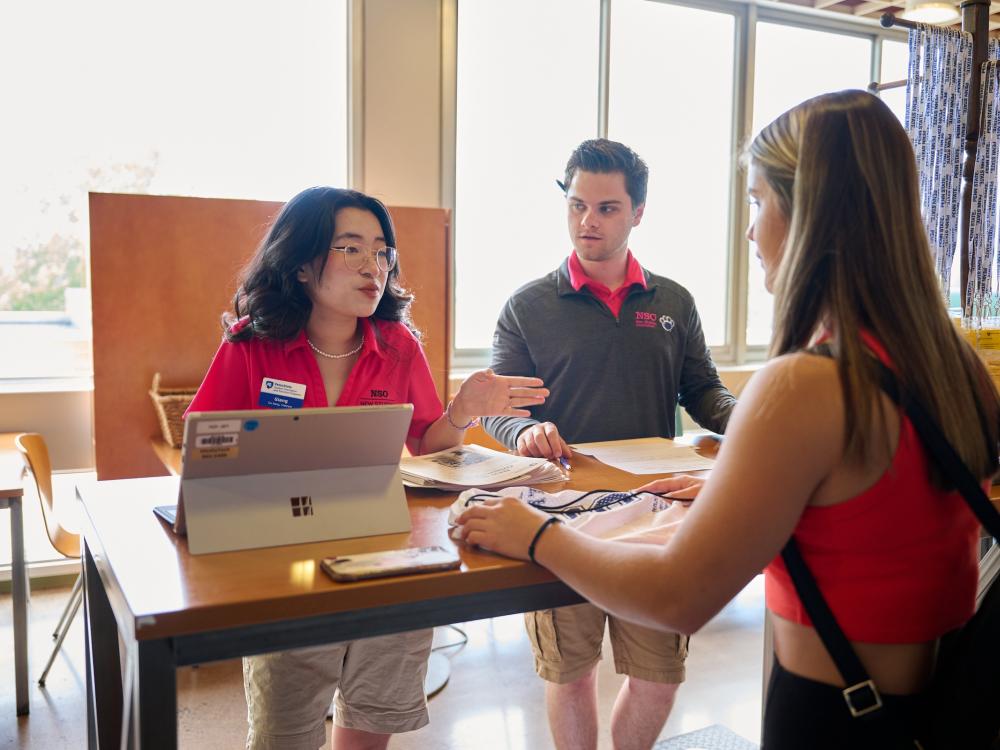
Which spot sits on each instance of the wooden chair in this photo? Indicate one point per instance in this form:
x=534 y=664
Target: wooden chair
x=36 y=457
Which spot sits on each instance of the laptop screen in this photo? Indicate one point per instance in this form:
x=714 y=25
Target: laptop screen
x=266 y=441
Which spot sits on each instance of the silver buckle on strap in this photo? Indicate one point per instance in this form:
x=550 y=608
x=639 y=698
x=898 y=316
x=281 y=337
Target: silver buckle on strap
x=849 y=697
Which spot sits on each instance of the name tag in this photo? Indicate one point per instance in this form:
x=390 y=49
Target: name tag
x=281 y=394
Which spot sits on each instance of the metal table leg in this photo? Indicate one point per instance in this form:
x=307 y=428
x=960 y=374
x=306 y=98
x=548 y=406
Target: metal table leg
x=768 y=665
x=104 y=687
x=19 y=588
x=154 y=697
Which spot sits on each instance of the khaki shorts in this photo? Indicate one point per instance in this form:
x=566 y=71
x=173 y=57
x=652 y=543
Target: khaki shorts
x=567 y=644
x=379 y=685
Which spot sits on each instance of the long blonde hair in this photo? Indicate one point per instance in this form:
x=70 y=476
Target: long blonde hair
x=857 y=258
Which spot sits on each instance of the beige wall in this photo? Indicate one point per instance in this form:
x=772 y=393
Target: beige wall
x=65 y=418
x=402 y=102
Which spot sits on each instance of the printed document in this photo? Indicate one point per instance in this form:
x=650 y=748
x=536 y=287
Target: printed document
x=654 y=455
x=475 y=466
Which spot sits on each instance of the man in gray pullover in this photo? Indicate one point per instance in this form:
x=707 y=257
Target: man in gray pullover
x=618 y=347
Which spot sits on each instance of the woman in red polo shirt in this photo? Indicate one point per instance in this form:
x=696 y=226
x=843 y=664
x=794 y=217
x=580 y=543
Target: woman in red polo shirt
x=321 y=320
x=816 y=450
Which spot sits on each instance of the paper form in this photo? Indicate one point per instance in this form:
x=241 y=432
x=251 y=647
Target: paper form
x=654 y=455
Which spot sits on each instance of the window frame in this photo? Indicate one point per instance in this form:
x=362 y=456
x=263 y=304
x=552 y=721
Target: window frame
x=735 y=351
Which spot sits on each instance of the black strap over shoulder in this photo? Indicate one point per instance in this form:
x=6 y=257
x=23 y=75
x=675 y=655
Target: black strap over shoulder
x=861 y=695
x=943 y=454
x=938 y=447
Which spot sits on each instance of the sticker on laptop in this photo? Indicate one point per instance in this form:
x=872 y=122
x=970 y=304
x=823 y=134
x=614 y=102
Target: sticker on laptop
x=217 y=440
x=281 y=394
x=216 y=451
x=226 y=425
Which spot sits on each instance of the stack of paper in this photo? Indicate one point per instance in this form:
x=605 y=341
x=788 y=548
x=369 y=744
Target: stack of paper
x=654 y=455
x=475 y=466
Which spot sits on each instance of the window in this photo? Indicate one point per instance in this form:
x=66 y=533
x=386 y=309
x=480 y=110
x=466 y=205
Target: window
x=526 y=97
x=683 y=130
x=237 y=98
x=670 y=81
x=823 y=62
x=895 y=67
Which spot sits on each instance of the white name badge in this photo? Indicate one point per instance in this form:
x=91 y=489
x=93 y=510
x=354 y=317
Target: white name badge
x=281 y=394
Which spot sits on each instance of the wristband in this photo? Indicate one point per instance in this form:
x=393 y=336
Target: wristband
x=538 y=535
x=447 y=415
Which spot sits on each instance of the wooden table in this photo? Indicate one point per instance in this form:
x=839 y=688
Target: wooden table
x=11 y=495
x=169 y=456
x=173 y=609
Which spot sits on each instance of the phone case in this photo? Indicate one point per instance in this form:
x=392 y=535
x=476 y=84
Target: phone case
x=392 y=562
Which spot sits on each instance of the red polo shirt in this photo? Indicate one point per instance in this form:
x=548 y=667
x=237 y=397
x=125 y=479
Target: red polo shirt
x=391 y=369
x=613 y=299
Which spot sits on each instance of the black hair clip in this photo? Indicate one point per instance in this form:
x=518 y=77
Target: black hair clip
x=561 y=186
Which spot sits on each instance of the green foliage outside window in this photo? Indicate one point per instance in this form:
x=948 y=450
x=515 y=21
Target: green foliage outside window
x=41 y=273
x=44 y=267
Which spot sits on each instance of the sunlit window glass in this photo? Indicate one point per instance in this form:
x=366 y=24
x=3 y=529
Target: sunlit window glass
x=682 y=128
x=527 y=96
x=793 y=64
x=232 y=98
x=895 y=65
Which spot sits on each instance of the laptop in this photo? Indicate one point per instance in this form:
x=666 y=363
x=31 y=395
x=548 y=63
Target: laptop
x=270 y=477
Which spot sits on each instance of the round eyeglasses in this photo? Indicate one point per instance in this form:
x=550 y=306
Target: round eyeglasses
x=356 y=257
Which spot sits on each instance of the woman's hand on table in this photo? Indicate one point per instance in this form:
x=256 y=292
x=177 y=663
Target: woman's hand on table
x=504 y=525
x=680 y=487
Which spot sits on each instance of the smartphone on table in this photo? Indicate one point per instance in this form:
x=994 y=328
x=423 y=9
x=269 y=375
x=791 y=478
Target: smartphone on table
x=392 y=562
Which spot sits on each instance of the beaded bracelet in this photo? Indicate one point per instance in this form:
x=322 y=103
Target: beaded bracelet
x=447 y=415
x=538 y=535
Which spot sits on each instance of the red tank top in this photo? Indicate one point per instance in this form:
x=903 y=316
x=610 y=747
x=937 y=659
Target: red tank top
x=897 y=563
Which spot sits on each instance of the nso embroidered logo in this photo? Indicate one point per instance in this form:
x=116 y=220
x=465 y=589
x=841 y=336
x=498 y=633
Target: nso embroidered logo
x=650 y=320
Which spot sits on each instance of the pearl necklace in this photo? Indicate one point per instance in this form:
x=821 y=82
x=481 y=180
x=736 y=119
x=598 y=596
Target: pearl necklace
x=351 y=353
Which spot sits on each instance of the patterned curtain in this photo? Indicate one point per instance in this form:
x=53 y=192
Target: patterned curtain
x=983 y=287
x=936 y=95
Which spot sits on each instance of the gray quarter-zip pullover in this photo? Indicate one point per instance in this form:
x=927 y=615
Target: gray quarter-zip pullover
x=610 y=378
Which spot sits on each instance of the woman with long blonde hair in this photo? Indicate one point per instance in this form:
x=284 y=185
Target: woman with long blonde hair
x=815 y=449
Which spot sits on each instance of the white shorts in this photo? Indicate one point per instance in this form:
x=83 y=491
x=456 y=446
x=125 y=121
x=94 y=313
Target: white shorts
x=379 y=686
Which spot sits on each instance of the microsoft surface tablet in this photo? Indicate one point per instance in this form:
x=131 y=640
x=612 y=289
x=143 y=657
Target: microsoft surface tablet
x=268 y=477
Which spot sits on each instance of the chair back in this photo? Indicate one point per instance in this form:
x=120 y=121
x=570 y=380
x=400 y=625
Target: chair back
x=36 y=456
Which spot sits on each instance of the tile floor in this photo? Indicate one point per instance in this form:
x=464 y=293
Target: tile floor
x=492 y=701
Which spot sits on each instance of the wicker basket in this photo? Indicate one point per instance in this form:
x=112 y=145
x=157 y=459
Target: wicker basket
x=170 y=405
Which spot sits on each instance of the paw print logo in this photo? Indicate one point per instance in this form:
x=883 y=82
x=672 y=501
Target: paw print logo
x=667 y=322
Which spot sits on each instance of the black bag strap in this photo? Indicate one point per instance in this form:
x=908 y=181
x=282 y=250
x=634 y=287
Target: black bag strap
x=943 y=454
x=861 y=695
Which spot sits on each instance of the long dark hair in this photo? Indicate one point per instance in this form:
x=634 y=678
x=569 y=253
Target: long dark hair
x=270 y=294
